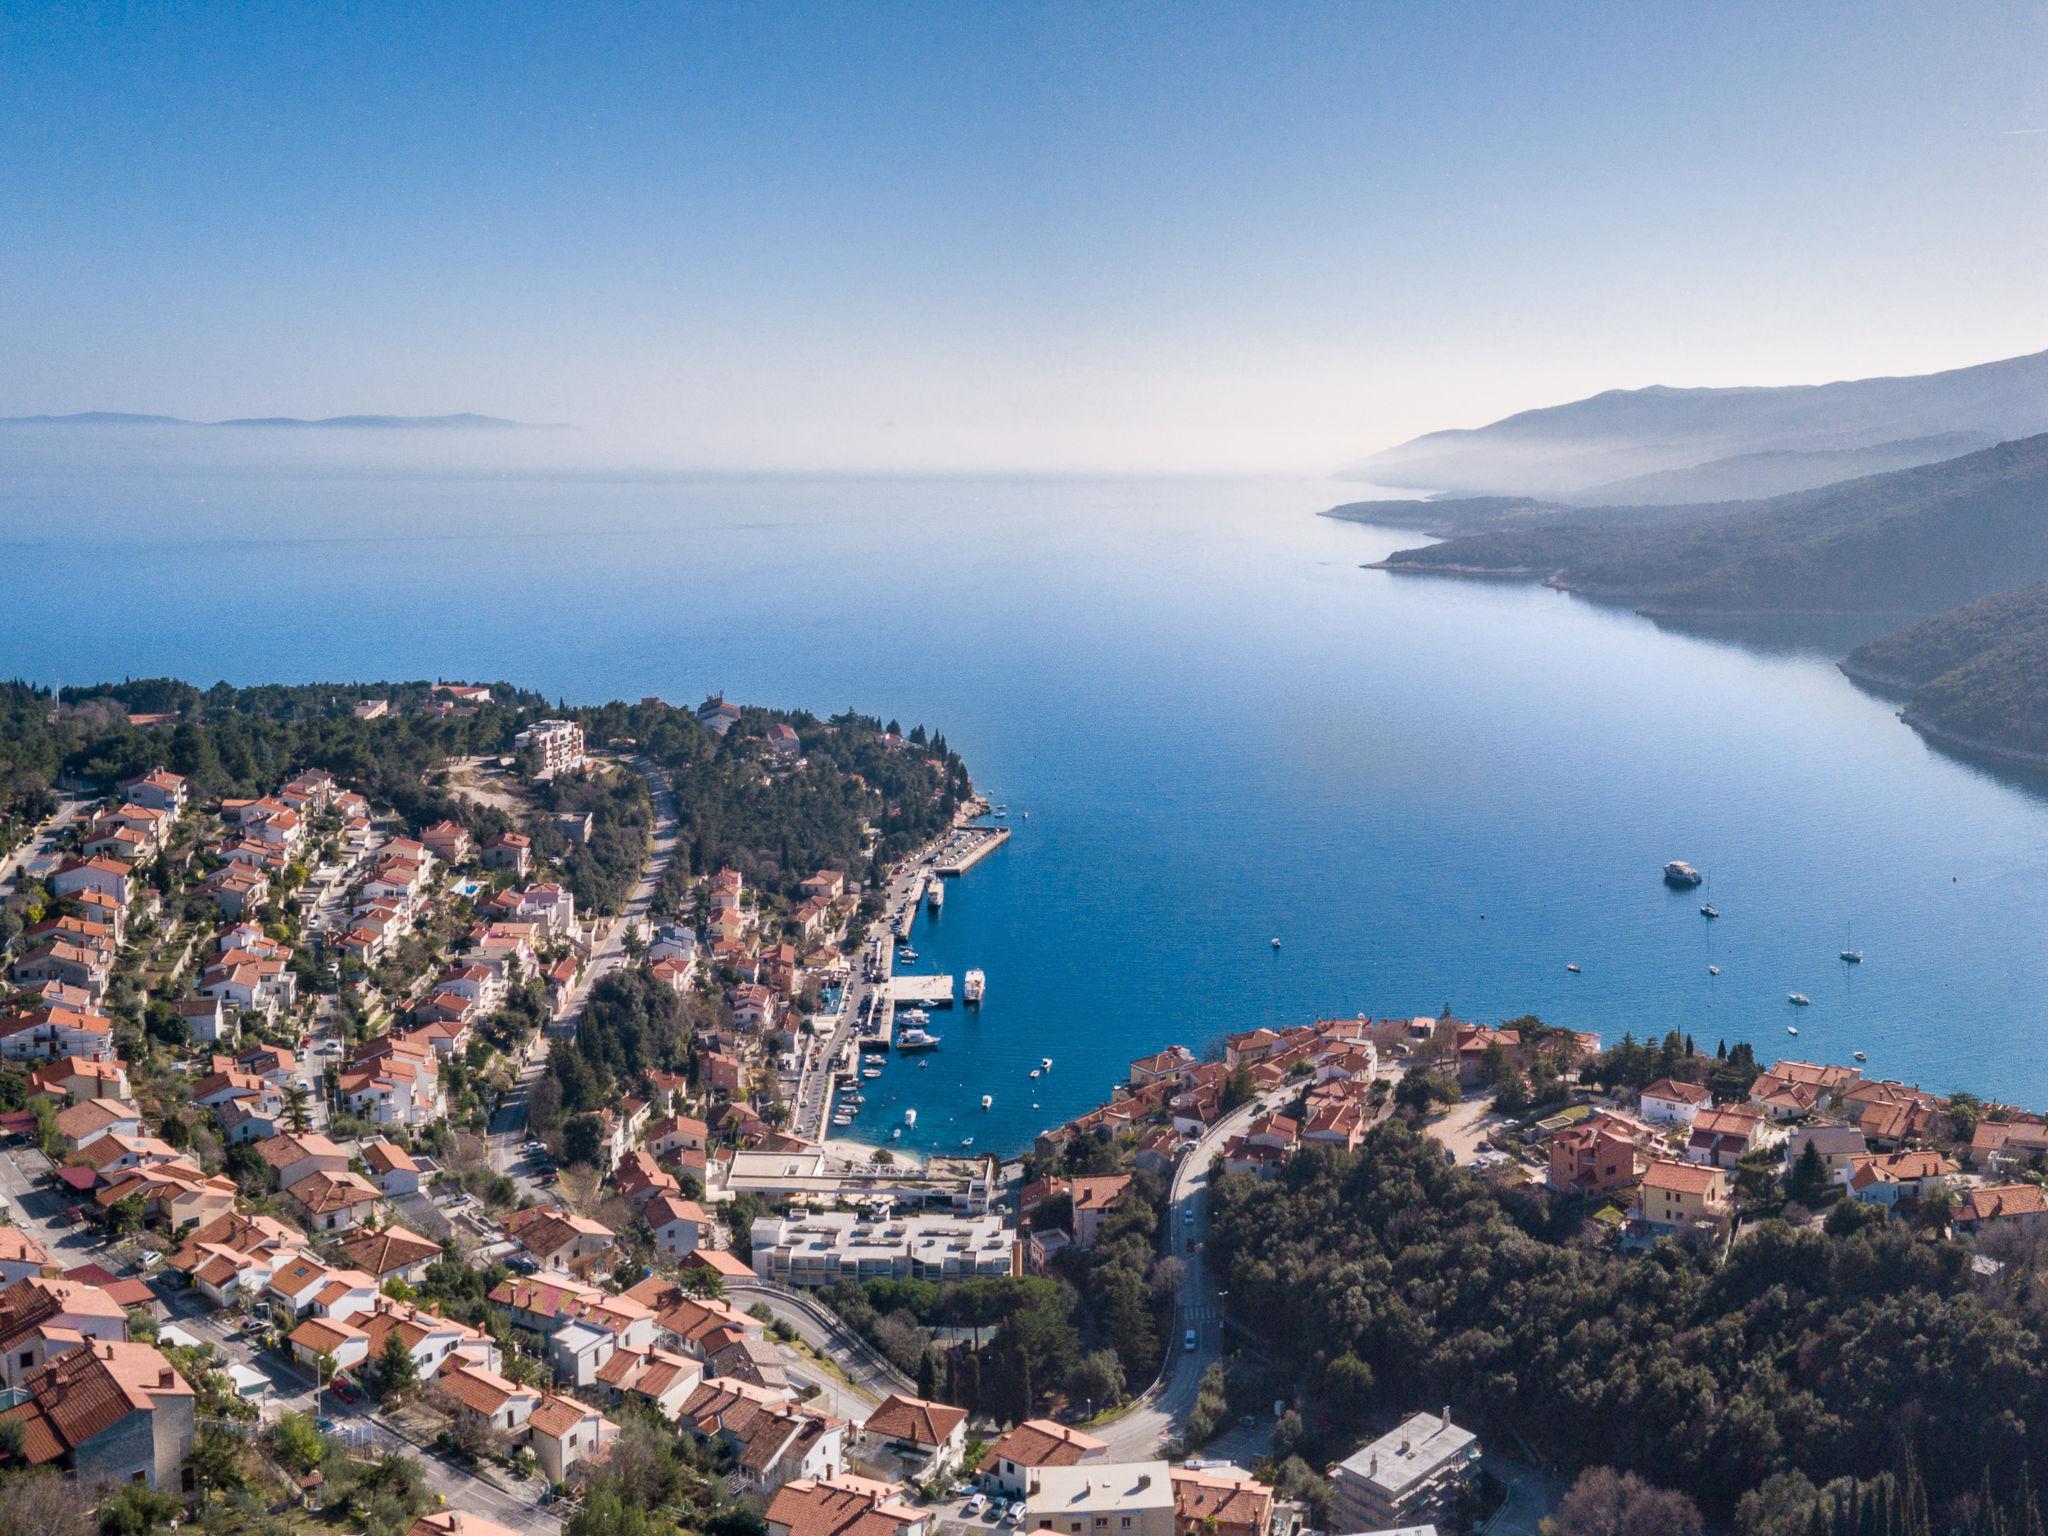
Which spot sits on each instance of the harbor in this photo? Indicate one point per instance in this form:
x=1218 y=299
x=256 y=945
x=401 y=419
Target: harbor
x=883 y=1010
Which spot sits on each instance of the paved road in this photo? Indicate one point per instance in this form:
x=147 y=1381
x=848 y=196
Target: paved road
x=40 y=842
x=821 y=1328
x=1157 y=1413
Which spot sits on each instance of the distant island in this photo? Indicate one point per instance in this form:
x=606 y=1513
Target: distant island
x=459 y=421
x=1954 y=546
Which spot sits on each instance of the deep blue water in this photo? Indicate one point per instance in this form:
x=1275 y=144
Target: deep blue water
x=1225 y=731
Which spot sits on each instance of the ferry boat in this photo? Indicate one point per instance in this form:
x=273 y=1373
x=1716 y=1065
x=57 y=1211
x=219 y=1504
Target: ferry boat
x=1680 y=873
x=1798 y=999
x=977 y=985
x=935 y=895
x=910 y=1118
x=916 y=1040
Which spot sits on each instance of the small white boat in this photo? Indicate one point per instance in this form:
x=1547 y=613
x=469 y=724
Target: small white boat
x=1045 y=1063
x=976 y=986
x=1709 y=910
x=1276 y=943
x=1713 y=970
x=910 y=1117
x=1861 y=1057
x=966 y=1141
x=1791 y=1029
x=1798 y=999
x=896 y=1134
x=987 y=1099
x=906 y=953
x=1035 y=1071
x=871 y=1073
x=1572 y=966
x=1025 y=814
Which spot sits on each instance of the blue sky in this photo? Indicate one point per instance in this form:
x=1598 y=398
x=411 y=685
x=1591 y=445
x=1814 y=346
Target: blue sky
x=1062 y=237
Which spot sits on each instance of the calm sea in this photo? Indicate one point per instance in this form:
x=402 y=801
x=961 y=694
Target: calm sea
x=1224 y=730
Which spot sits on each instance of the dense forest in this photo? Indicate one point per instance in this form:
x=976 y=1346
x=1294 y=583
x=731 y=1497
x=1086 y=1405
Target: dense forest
x=1979 y=674
x=1833 y=1352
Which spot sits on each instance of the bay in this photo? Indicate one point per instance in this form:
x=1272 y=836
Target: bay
x=1224 y=730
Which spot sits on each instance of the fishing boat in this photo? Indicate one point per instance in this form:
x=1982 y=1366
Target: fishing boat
x=1798 y=999
x=1682 y=874
x=914 y=1039
x=976 y=985
x=1572 y=966
x=987 y=1099
x=910 y=1117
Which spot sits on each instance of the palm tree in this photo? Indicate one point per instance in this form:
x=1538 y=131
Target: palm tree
x=296 y=1114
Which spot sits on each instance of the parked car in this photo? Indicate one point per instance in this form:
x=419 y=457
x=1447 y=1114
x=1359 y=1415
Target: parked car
x=975 y=1504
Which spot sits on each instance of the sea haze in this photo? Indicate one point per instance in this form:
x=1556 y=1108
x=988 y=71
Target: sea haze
x=1224 y=729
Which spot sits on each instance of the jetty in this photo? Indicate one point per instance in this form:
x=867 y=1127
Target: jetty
x=967 y=847
x=911 y=991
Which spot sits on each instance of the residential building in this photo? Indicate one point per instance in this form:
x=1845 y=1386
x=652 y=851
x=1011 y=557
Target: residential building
x=1669 y=1102
x=918 y=1440
x=1840 y=1148
x=1600 y=1154
x=1405 y=1476
x=559 y=744
x=1683 y=1199
x=1894 y=1178
x=563 y=1432
x=1220 y=1501
x=2020 y=1208
x=1032 y=1446
x=828 y=1246
x=110 y=1412
x=842 y=1506
x=1133 y=1498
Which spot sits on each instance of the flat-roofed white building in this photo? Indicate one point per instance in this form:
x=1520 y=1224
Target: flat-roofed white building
x=1127 y=1498
x=1403 y=1477
x=830 y=1246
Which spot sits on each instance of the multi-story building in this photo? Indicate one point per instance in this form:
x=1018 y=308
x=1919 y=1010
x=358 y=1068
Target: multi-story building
x=830 y=1246
x=559 y=744
x=1405 y=1476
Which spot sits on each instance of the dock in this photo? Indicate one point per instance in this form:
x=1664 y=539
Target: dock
x=921 y=991
x=967 y=847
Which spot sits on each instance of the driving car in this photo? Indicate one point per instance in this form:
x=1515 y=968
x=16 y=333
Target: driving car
x=1189 y=1341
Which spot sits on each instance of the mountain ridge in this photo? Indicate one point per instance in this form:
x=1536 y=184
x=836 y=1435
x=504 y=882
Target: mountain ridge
x=1571 y=449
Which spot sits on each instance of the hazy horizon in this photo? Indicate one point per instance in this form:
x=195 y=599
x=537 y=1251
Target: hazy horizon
x=923 y=239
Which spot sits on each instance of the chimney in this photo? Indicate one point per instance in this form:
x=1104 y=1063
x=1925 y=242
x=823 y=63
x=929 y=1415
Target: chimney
x=166 y=1377
x=1144 y=1479
x=1447 y=1415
